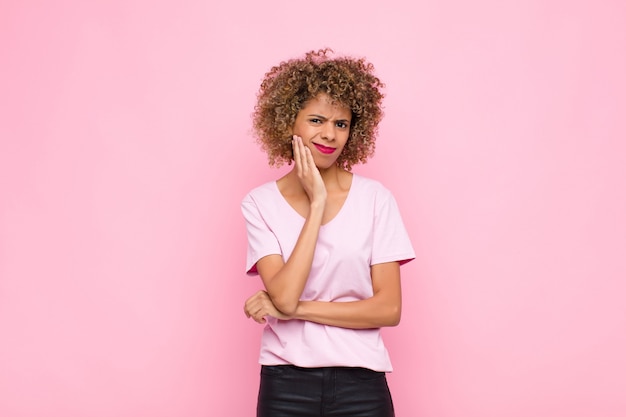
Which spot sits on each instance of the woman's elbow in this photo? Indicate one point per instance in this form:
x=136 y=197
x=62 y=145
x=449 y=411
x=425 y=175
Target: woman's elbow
x=392 y=317
x=286 y=306
x=395 y=316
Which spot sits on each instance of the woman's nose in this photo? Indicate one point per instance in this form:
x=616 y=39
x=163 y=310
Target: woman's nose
x=328 y=131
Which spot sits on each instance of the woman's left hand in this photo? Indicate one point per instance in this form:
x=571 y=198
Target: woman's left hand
x=260 y=305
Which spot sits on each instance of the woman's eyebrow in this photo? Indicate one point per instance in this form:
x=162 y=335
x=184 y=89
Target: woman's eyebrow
x=319 y=116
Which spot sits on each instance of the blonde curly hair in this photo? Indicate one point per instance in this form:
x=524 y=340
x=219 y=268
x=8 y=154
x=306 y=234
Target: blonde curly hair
x=288 y=86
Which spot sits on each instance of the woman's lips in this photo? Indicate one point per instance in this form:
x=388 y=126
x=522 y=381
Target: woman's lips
x=324 y=149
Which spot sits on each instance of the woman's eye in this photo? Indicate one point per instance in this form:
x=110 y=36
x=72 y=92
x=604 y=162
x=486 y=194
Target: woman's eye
x=315 y=121
x=342 y=125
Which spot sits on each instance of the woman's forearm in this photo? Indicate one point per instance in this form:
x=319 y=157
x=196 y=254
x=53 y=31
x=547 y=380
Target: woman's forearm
x=363 y=314
x=382 y=309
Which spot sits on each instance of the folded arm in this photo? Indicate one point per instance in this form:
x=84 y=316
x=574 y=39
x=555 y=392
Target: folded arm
x=383 y=309
x=285 y=281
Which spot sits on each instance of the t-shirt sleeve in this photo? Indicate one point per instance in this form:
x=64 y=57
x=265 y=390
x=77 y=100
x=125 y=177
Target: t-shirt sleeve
x=391 y=240
x=261 y=239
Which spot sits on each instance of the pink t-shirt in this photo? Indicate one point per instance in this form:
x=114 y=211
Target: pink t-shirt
x=367 y=230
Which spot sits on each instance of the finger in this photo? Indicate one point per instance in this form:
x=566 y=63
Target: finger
x=304 y=158
x=259 y=316
x=303 y=154
x=251 y=307
x=297 y=156
x=250 y=303
x=309 y=157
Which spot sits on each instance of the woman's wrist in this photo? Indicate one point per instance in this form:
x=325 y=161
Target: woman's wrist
x=318 y=204
x=299 y=313
x=316 y=211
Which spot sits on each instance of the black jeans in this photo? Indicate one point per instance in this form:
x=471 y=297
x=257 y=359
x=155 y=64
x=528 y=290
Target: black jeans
x=291 y=391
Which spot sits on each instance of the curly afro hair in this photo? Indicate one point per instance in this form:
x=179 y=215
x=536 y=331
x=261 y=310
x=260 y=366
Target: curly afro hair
x=288 y=86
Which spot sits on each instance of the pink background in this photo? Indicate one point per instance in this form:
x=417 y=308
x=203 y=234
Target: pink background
x=125 y=150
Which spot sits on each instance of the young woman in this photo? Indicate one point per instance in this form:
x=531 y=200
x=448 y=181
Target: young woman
x=327 y=243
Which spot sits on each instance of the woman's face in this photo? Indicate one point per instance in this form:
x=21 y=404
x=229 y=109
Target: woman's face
x=324 y=128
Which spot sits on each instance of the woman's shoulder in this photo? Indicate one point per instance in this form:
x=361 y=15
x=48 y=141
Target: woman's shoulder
x=263 y=192
x=369 y=185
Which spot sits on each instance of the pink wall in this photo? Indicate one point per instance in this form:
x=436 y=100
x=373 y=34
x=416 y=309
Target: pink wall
x=125 y=150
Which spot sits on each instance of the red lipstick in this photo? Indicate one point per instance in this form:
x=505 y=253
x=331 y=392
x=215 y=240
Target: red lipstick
x=324 y=149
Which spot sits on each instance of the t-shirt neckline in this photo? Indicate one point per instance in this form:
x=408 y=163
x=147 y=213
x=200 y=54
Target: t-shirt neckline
x=339 y=213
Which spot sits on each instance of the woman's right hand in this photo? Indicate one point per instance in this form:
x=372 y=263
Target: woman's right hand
x=260 y=305
x=308 y=173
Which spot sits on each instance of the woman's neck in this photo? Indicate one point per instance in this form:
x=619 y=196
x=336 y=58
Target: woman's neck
x=334 y=177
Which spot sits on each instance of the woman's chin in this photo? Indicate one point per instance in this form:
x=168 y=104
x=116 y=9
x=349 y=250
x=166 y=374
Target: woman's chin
x=326 y=163
x=325 y=167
